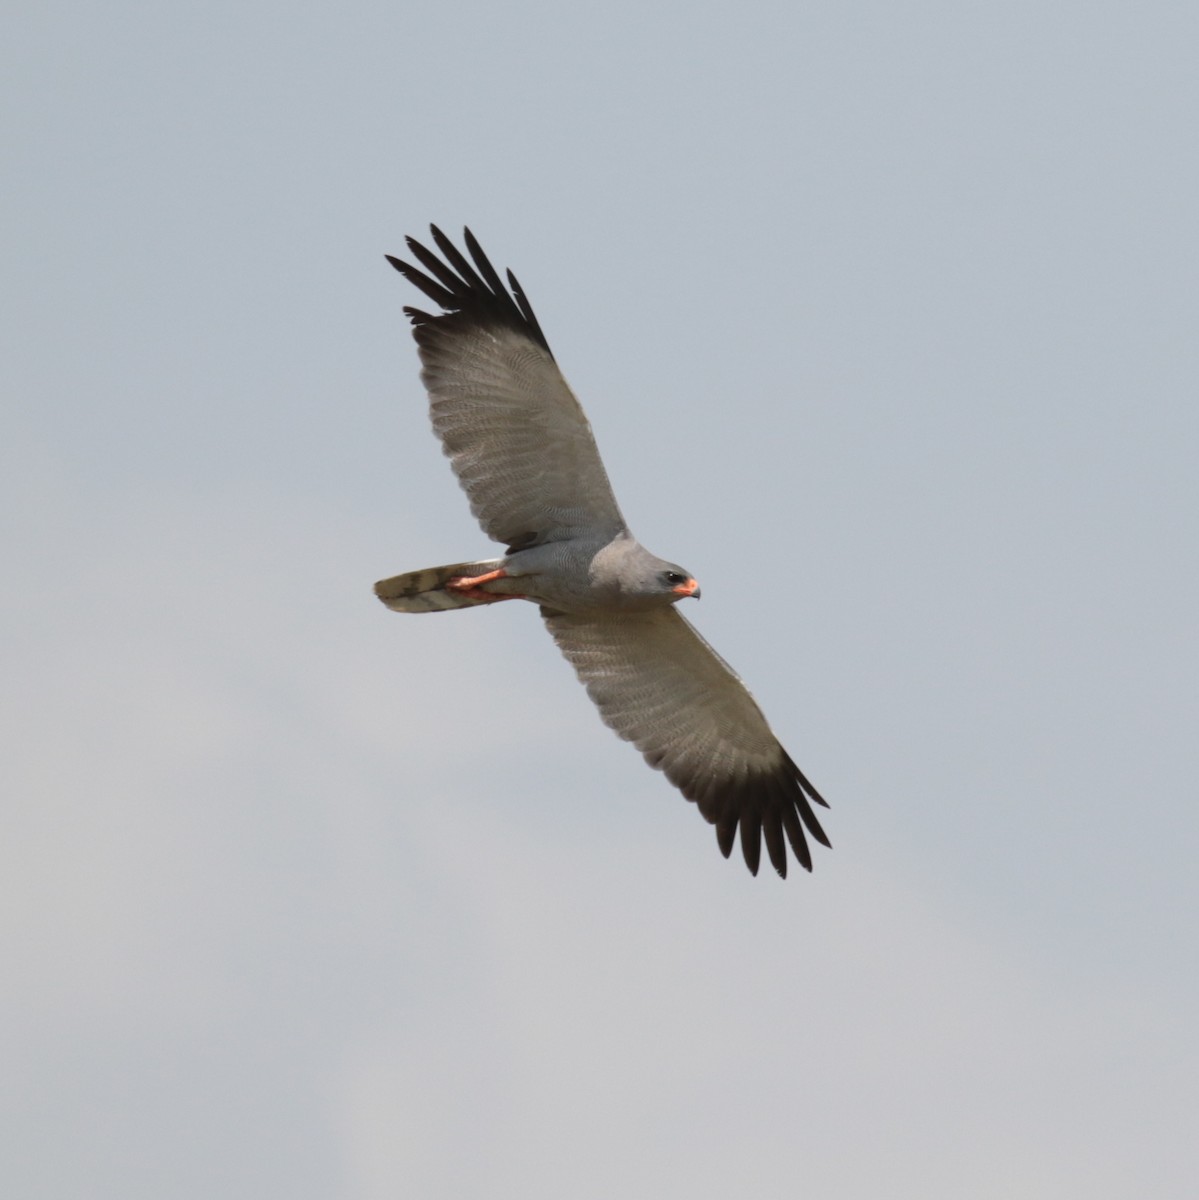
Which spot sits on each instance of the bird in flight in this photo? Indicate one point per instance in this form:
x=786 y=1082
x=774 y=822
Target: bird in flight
x=522 y=449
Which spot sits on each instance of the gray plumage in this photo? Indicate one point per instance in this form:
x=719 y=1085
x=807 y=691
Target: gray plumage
x=522 y=449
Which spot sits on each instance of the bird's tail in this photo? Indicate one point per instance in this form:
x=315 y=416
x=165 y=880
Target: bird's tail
x=426 y=591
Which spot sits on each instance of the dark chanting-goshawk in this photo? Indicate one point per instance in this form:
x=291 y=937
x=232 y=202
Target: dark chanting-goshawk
x=523 y=451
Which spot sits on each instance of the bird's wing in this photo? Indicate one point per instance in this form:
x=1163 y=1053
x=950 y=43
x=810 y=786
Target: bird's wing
x=516 y=436
x=659 y=685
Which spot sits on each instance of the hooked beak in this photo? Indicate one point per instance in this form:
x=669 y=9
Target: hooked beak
x=690 y=588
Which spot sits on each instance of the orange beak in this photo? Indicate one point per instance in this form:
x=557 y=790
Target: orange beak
x=690 y=588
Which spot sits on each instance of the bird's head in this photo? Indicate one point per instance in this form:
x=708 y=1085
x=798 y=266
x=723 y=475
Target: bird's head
x=636 y=579
x=678 y=583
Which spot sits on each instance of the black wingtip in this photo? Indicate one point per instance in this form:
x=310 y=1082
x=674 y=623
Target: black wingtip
x=804 y=781
x=467 y=291
x=776 y=847
x=726 y=834
x=774 y=808
x=751 y=839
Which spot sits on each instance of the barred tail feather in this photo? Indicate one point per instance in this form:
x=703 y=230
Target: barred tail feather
x=425 y=591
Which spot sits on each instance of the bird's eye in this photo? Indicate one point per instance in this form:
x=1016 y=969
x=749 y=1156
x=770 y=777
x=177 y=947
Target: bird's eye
x=673 y=578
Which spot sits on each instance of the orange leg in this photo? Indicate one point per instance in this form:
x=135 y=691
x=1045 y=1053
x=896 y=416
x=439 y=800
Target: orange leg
x=468 y=586
x=464 y=583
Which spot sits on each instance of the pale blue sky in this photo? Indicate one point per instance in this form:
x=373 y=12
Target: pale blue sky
x=885 y=317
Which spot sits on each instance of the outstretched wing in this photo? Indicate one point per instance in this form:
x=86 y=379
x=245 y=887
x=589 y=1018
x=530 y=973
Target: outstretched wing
x=659 y=685
x=516 y=436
